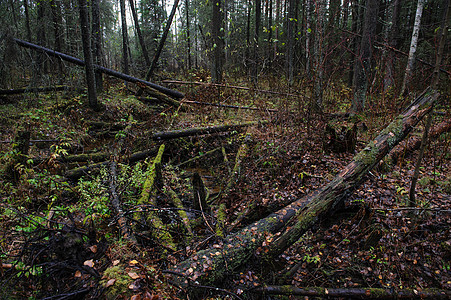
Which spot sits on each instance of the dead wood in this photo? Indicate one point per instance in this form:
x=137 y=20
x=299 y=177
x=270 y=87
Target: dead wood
x=35 y=90
x=166 y=135
x=211 y=265
x=181 y=211
x=104 y=70
x=160 y=96
x=200 y=194
x=354 y=293
x=229 y=106
x=414 y=143
x=230 y=87
x=148 y=197
x=191 y=160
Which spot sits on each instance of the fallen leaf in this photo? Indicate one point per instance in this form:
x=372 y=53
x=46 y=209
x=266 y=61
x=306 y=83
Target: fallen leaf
x=133 y=275
x=89 y=263
x=77 y=274
x=135 y=297
x=134 y=262
x=93 y=248
x=110 y=282
x=116 y=262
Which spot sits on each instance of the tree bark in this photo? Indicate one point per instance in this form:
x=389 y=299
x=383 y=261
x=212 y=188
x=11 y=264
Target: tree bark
x=211 y=265
x=413 y=47
x=116 y=74
x=165 y=135
x=218 y=41
x=138 y=31
x=124 y=38
x=97 y=42
x=363 y=62
x=89 y=66
x=162 y=41
x=354 y=293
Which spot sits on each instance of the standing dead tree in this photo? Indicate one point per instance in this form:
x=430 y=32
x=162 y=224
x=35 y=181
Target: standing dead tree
x=211 y=265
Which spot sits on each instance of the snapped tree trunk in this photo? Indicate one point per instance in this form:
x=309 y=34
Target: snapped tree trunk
x=211 y=265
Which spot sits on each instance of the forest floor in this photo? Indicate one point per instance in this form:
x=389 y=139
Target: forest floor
x=60 y=236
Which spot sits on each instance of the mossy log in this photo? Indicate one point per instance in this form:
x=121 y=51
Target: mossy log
x=354 y=293
x=148 y=197
x=415 y=142
x=211 y=265
x=182 y=213
x=166 y=135
x=160 y=96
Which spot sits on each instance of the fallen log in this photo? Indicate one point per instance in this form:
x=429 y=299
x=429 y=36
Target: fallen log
x=229 y=106
x=354 y=293
x=166 y=135
x=104 y=70
x=35 y=90
x=230 y=87
x=415 y=142
x=211 y=265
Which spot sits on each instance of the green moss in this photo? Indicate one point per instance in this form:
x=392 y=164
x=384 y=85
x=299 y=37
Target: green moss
x=221 y=217
x=121 y=284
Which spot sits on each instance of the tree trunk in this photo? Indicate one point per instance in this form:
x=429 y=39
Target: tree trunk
x=27 y=19
x=124 y=38
x=188 y=39
x=97 y=42
x=393 y=28
x=211 y=265
x=413 y=48
x=291 y=19
x=218 y=41
x=89 y=66
x=363 y=62
x=255 y=56
x=444 y=26
x=138 y=31
x=162 y=41
x=318 y=53
x=116 y=74
x=354 y=293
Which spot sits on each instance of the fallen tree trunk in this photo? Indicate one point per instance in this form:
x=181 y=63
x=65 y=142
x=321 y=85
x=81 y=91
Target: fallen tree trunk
x=229 y=86
x=166 y=135
x=229 y=106
x=104 y=70
x=415 y=142
x=211 y=265
x=355 y=293
x=35 y=90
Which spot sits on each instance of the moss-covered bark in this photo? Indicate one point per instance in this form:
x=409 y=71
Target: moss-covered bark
x=211 y=265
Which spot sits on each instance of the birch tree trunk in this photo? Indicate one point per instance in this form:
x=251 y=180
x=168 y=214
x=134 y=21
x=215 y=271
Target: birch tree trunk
x=413 y=48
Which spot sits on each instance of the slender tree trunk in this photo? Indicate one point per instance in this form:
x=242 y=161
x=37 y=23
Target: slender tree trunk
x=124 y=38
x=90 y=78
x=363 y=63
x=319 y=44
x=308 y=34
x=256 y=55
x=188 y=39
x=153 y=65
x=248 y=33
x=445 y=24
x=435 y=81
x=97 y=42
x=291 y=19
x=276 y=42
x=218 y=42
x=27 y=20
x=56 y=13
x=270 y=41
x=413 y=48
x=138 y=31
x=392 y=28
